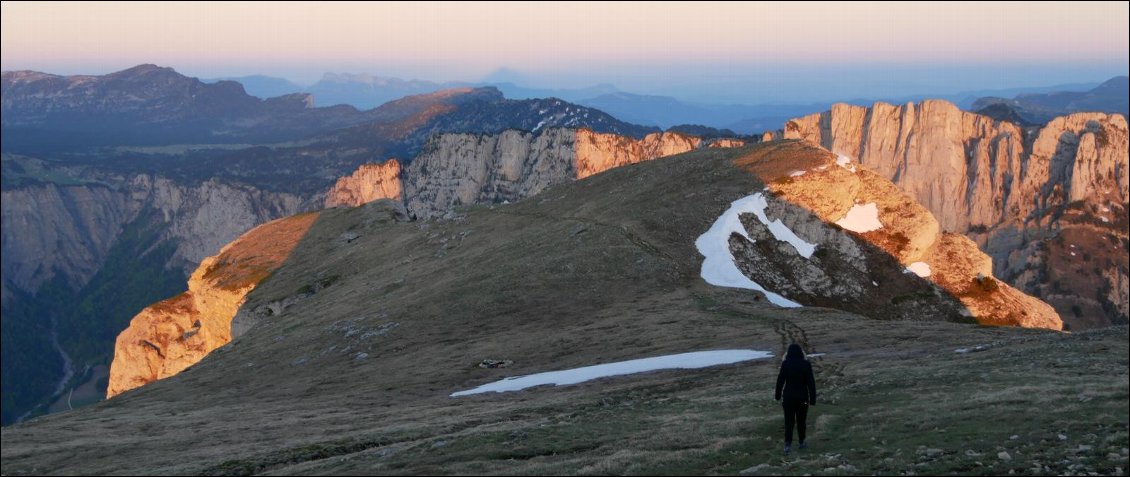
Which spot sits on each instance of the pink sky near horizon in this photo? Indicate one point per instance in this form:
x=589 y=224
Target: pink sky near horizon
x=473 y=39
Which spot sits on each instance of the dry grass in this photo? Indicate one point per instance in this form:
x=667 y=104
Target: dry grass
x=240 y=265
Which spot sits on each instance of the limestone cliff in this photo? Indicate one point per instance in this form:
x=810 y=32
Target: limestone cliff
x=368 y=183
x=52 y=229
x=596 y=153
x=173 y=334
x=459 y=169
x=971 y=170
x=1006 y=187
x=878 y=228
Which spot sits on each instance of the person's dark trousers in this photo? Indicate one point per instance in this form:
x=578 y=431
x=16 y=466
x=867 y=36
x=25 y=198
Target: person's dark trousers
x=796 y=412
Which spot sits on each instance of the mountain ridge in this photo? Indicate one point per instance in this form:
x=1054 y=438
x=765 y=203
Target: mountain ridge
x=622 y=240
x=152 y=105
x=1110 y=96
x=960 y=287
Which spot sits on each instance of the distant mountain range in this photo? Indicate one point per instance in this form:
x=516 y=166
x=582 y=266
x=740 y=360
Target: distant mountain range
x=151 y=105
x=262 y=86
x=365 y=91
x=368 y=91
x=1112 y=96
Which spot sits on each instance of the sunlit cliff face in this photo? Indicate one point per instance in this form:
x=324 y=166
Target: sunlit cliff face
x=368 y=183
x=596 y=152
x=457 y=169
x=173 y=334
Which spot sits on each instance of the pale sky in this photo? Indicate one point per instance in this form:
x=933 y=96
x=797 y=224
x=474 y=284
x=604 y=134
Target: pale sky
x=570 y=44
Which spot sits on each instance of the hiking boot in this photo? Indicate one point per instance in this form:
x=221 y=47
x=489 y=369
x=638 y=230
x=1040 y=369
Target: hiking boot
x=803 y=446
x=788 y=448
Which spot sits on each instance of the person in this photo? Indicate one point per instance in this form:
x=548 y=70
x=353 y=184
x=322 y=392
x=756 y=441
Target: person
x=797 y=386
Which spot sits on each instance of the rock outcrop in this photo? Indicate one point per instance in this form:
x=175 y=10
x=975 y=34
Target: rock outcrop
x=463 y=169
x=173 y=334
x=596 y=153
x=1008 y=188
x=368 y=183
x=880 y=229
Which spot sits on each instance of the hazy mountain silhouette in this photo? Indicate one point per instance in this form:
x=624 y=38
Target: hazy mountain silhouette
x=1112 y=96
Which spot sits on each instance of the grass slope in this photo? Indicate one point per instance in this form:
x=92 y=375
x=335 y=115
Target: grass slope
x=351 y=370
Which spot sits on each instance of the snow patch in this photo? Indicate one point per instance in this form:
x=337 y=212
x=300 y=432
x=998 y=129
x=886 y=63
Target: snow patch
x=975 y=349
x=719 y=268
x=861 y=218
x=921 y=269
x=695 y=360
x=845 y=162
x=540 y=124
x=796 y=173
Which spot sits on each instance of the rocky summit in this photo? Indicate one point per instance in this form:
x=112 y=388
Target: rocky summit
x=350 y=348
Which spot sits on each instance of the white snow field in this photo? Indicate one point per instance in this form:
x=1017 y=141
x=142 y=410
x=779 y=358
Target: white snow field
x=719 y=268
x=861 y=218
x=695 y=360
x=921 y=269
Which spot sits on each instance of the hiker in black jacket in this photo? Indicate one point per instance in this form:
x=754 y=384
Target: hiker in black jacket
x=799 y=392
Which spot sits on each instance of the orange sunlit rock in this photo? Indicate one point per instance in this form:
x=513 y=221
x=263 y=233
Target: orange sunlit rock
x=173 y=334
x=804 y=175
x=599 y=152
x=368 y=183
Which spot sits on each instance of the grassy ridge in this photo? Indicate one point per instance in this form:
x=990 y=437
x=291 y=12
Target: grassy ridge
x=354 y=377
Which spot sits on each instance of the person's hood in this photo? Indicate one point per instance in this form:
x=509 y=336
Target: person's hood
x=794 y=352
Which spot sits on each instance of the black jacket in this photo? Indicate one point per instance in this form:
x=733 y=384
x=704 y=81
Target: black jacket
x=797 y=380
